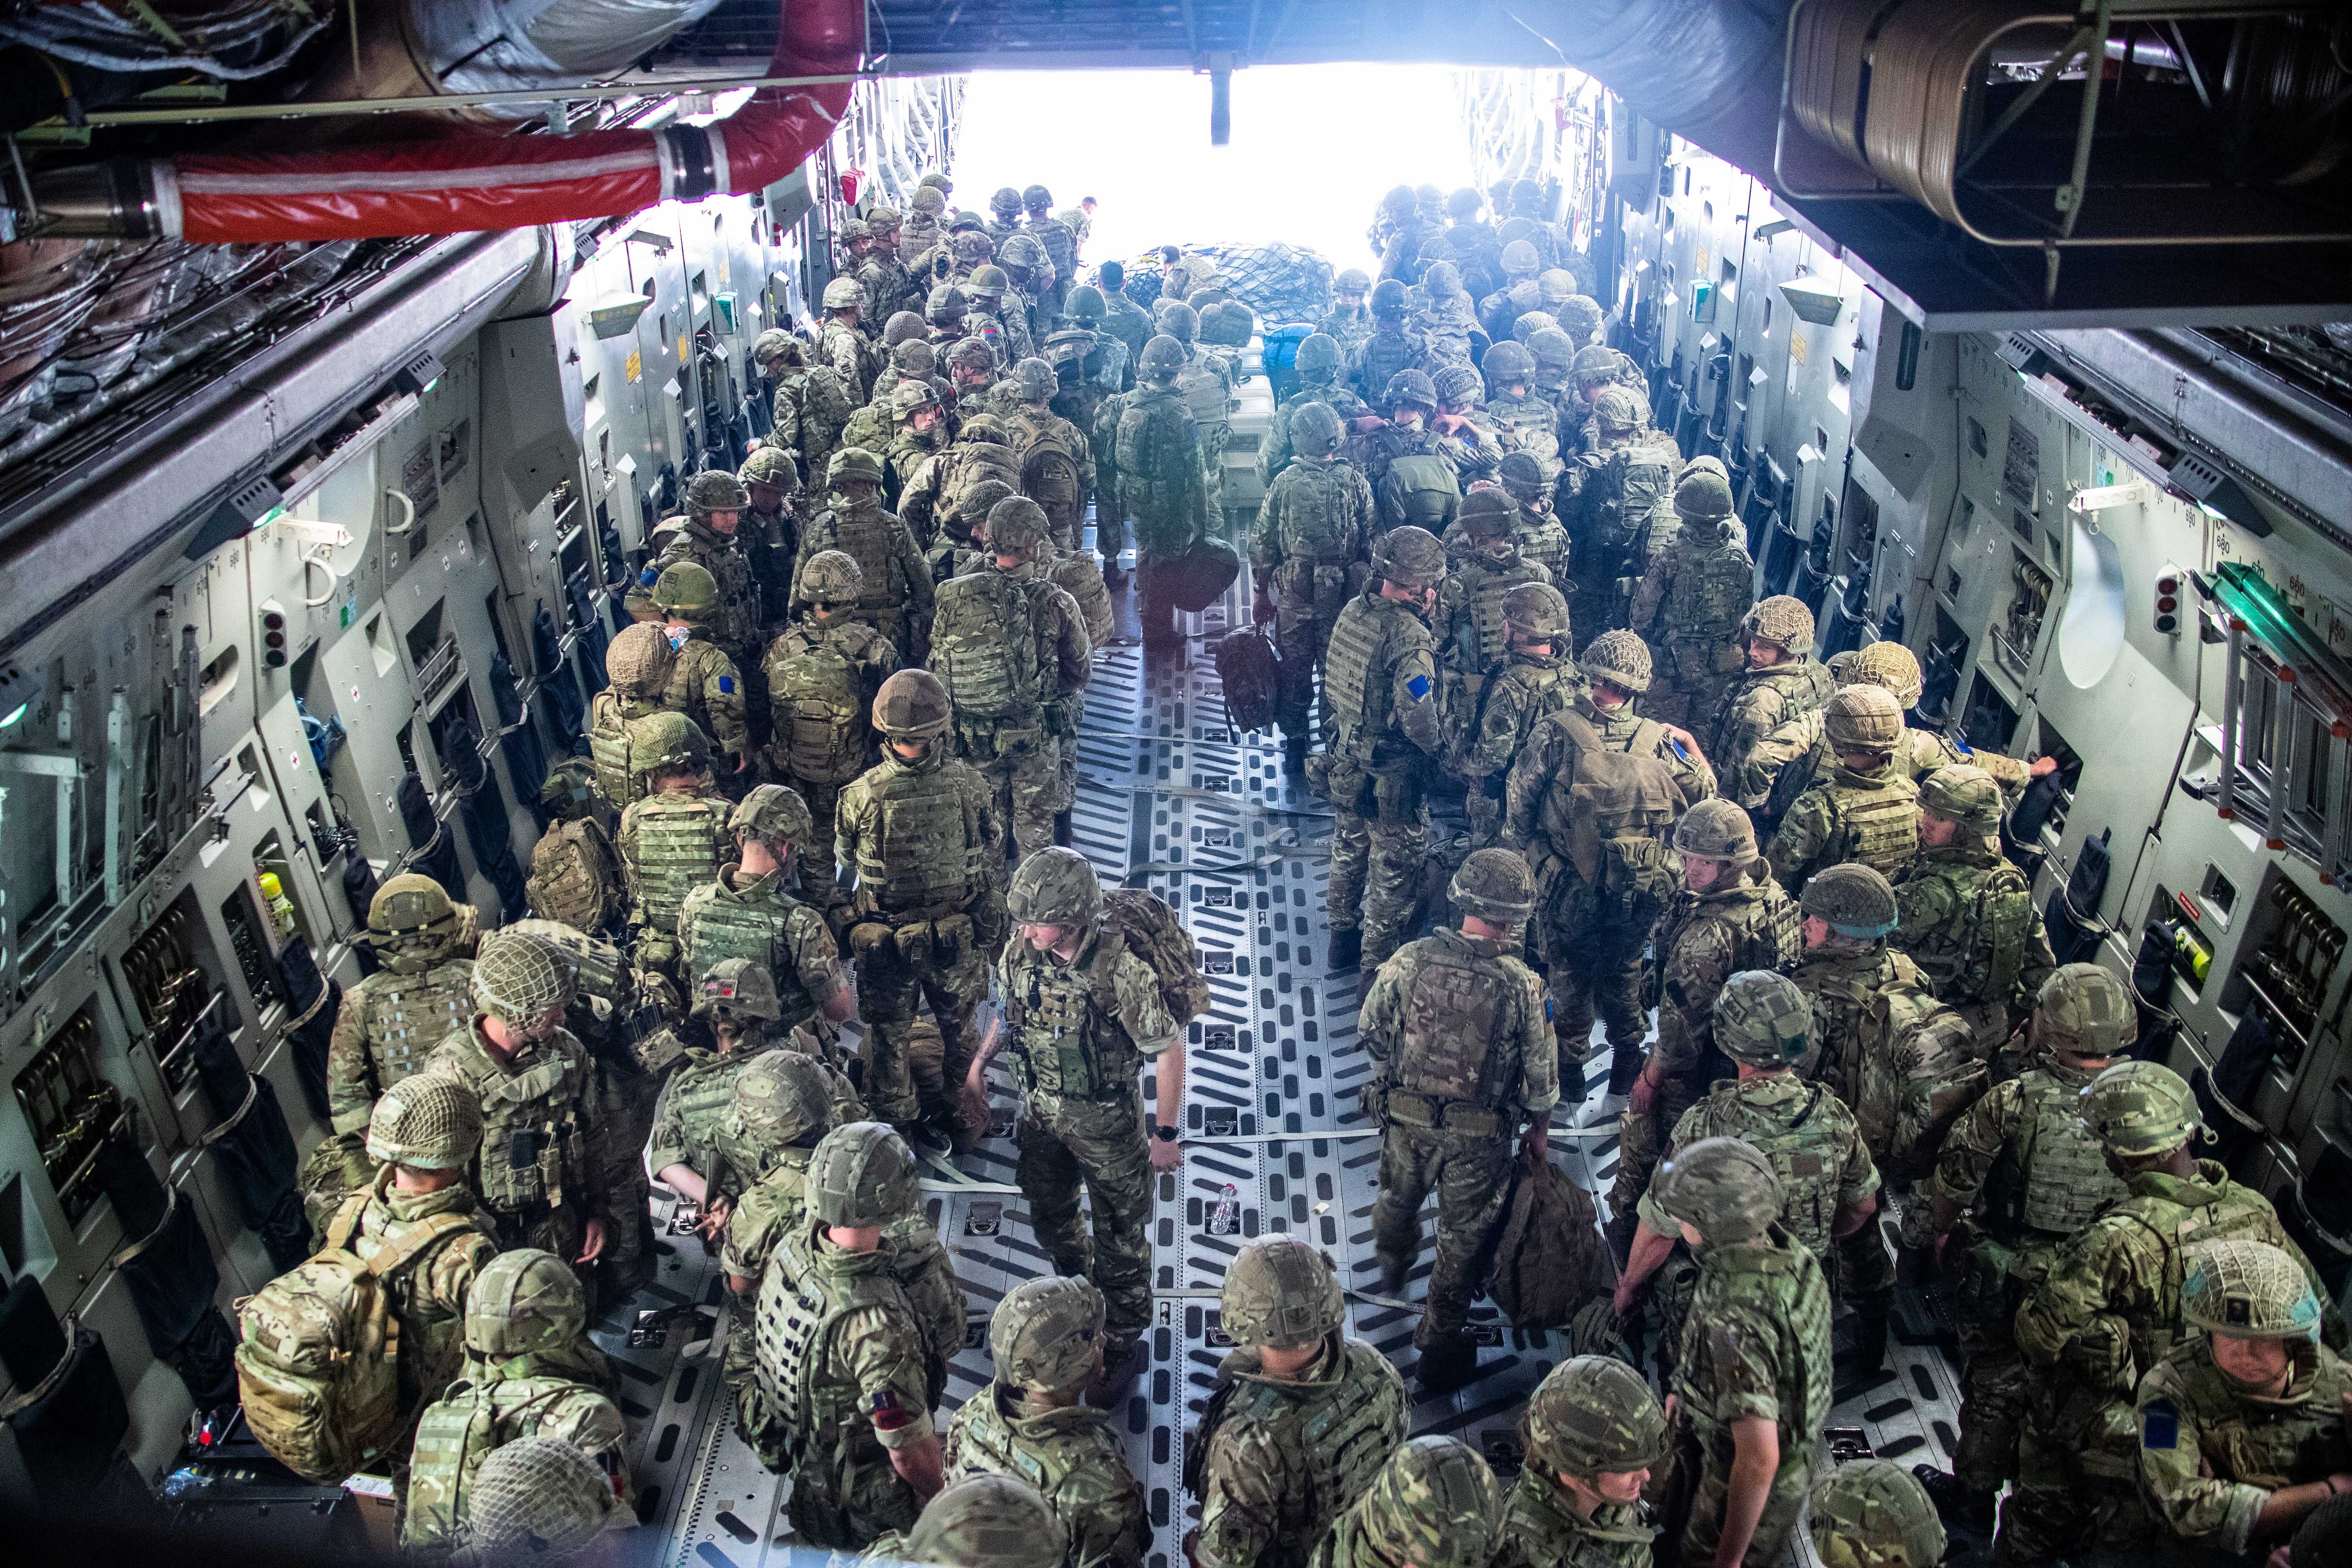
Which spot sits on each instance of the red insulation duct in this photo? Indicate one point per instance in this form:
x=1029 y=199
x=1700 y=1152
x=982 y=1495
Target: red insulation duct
x=474 y=182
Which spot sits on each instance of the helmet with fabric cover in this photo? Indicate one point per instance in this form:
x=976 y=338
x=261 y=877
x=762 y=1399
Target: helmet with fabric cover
x=1594 y=1416
x=1762 y=1019
x=1873 y=1513
x=1318 y=359
x=685 y=589
x=1718 y=829
x=1487 y=515
x=1962 y=793
x=861 y=1175
x=1315 y=429
x=413 y=911
x=427 y=1122
x=1494 y=885
x=1055 y=886
x=1537 y=612
x=1005 y=202
x=1410 y=386
x=739 y=988
x=1522 y=477
x=842 y=293
x=525 y=1302
x=1863 y=718
x=1161 y=360
x=1701 y=493
x=2139 y=1109
x=987 y=1521
x=911 y=706
x=782 y=1099
x=910 y=397
x=1618 y=411
x=1854 y=901
x=1018 y=526
x=1458 y=386
x=903 y=327
x=1519 y=259
x=1035 y=379
x=946 y=305
x=1085 y=303
x=1388 y=298
x=775 y=350
x=715 y=489
x=2085 y=1009
x=1725 y=1186
x=1354 y=281
x=1434 y=1505
x=1279 y=1294
x=774 y=814
x=1410 y=557
x=769 y=466
x=987 y=282
x=669 y=741
x=1045 y=1334
x=1178 y=319
x=1508 y=364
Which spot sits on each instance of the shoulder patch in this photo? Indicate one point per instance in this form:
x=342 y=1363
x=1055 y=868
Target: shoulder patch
x=726 y=686
x=2159 y=1424
x=1959 y=745
x=1418 y=687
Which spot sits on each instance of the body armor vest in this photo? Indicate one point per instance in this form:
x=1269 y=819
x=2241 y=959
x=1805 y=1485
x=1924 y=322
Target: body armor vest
x=1977 y=954
x=1791 y=1129
x=1342 y=1432
x=409 y=1009
x=610 y=726
x=1312 y=519
x=870 y=538
x=1067 y=1042
x=1794 y=1295
x=533 y=1144
x=2066 y=1179
x=1714 y=588
x=1638 y=478
x=746 y=917
x=1205 y=394
x=1155 y=468
x=799 y=1306
x=698 y=1097
x=460 y=1430
x=986 y=1445
x=1543 y=541
x=1873 y=822
x=1460 y=996
x=736 y=625
x=688 y=689
x=1527 y=425
x=1484 y=583
x=926 y=849
x=819 y=701
x=1369 y=638
x=1797 y=773
x=2239 y=1214
x=681 y=840
x=1865 y=1009
x=1382 y=356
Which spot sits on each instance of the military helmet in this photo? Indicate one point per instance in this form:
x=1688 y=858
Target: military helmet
x=1593 y=362
x=1509 y=363
x=1279 y=1294
x=1462 y=202
x=1579 y=316
x=1035 y=379
x=883 y=219
x=1526 y=194
x=776 y=344
x=1594 y=1416
x=1522 y=476
x=1410 y=386
x=1006 y=200
x=1780 y=620
x=1487 y=515
x=1055 y=886
x=861 y=1175
x=1229 y=322
x=740 y=987
x=782 y=1099
x=946 y=304
x=1704 y=464
x=517 y=978
x=1085 y=303
x=1718 y=829
x=1036 y=196
x=1315 y=429
x=1398 y=203
x=1494 y=885
x=2248 y=1289
x=1178 y=319
x=1433 y=1504
x=1890 y=665
x=978 y=498
x=685 y=589
x=1387 y=298
x=1762 y=1019
x=1725 y=1186
x=427 y=1122
x=1018 y=526
x=1622 y=660
x=2085 y=1009
x=1537 y=612
x=413 y=909
x=911 y=396
x=972 y=351
x=1410 y=557
x=1067 y=348
x=1618 y=410
x=769 y=466
x=1964 y=794
x=1557 y=287
x=842 y=293
x=1441 y=281
x=1540 y=331
x=903 y=327
x=969 y=236
x=936 y=180
x=1863 y=718
x=1701 y=494
x=1046 y=1333
x=854 y=229
x=927 y=198
x=773 y=814
x=987 y=1521
x=525 y=1302
x=832 y=578
x=715 y=489
x=536 y=1498
x=1162 y=358
x=1354 y=281
x=1022 y=250
x=2138 y=1108
x=666 y=742
x=911 y=706
x=1458 y=386
x=1854 y=900
x=1873 y=1513
x=1318 y=359
x=987 y=281
x=856 y=462
x=1519 y=259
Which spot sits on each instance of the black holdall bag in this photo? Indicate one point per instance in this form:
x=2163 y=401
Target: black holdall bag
x=1249 y=668
x=1195 y=579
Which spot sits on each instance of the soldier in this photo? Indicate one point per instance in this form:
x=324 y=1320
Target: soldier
x=1592 y=1435
x=881 y=279
x=944 y=308
x=1522 y=420
x=1541 y=537
x=1730 y=916
x=530 y=1372
x=1004 y=215
x=1865 y=813
x=2241 y=1430
x=923 y=228
x=1313 y=528
x=704 y=684
x=1483 y=568
x=1382 y=677
x=1032 y=1422
x=1781 y=681
x=1205 y=384
x=1003 y=326
x=1581 y=318
x=911 y=359
x=636 y=670
x=1317 y=365
x=811 y=405
x=389 y=1021
x=920 y=430
x=842 y=1356
x=707 y=536
x=1872 y=1513
x=1694 y=595
x=1410 y=466
x=771 y=482
x=1450 y=1101
x=960 y=546
x=979 y=452
x=839 y=344
x=1460 y=423
x=1555 y=379
x=1154 y=474
x=1028 y=273
x=736 y=1001
x=1348 y=322
x=983 y=1520
x=1060 y=242
x=672 y=841
x=1612 y=488
x=1301 y=1419
x=822 y=672
x=1530 y=682
x=1501 y=309
x=1968 y=914
x=1374 y=362
x=1434 y=1505
x=1057 y=462
x=923 y=834
x=1751 y=1380
x=894 y=585
x=1440 y=331
x=1122 y=317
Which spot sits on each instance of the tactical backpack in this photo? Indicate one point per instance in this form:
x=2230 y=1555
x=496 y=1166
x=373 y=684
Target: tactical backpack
x=976 y=462
x=575 y=876
x=1637 y=480
x=1550 y=1261
x=1249 y=668
x=1153 y=934
x=1080 y=577
x=1622 y=807
x=1049 y=475
x=1797 y=773
x=318 y=1365
x=984 y=648
x=819 y=706
x=1421 y=490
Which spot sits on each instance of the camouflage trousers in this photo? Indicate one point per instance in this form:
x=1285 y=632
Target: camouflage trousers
x=624 y=1123
x=2077 y=1486
x=1376 y=859
x=1214 y=435
x=845 y=1500
x=1688 y=684
x=1472 y=1174
x=1641 y=1143
x=1691 y=1510
x=1110 y=534
x=890 y=991
x=1304 y=640
x=818 y=869
x=1064 y=1143
x=1023 y=765
x=1581 y=989
x=1993 y=1392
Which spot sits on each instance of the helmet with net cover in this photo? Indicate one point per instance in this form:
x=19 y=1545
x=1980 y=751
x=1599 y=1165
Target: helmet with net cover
x=1520 y=260
x=1964 y=794
x=1457 y=386
x=1486 y=516
x=667 y=743
x=1279 y=1294
x=911 y=706
x=2139 y=1109
x=412 y=911
x=1315 y=429
x=1034 y=380
x=987 y=1521
x=1762 y=1019
x=1178 y=319
x=1702 y=494
x=1522 y=477
x=1594 y=1416
x=517 y=978
x=973 y=248
x=1161 y=360
x=1410 y=557
x=928 y=198
x=774 y=814
x=1724 y=1186
x=737 y=988
x=1853 y=901
x=1410 y=386
x=1579 y=316
x=1873 y=1513
x=2248 y=1289
x=1509 y=364
x=1018 y=526
x=861 y=1175
x=1557 y=286
x=842 y=293
x=427 y=1122
x=1005 y=202
x=685 y=590
x=2085 y=1009
x=1619 y=657
x=715 y=489
x=1890 y=665
x=1434 y=1504
x=1055 y=886
x=1593 y=363
x=638 y=663
x=855 y=463
x=1494 y=885
x=1085 y=303
x=832 y=578
x=1718 y=829
x=1863 y=718
x=903 y=327
x=782 y=1098
x=1780 y=620
x=1441 y=281
x=1540 y=330
x=1536 y=613
x=538 y=1500
x=525 y=1302
x=1045 y=1334
x=1319 y=358
x=1618 y=411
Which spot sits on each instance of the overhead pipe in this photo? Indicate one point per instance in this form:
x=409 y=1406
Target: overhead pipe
x=463 y=182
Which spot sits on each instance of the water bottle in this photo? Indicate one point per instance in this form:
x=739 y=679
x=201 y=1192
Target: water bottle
x=1226 y=1217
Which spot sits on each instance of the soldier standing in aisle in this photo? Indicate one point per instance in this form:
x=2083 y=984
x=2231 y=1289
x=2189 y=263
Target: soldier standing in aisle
x=1122 y=317
x=822 y=672
x=775 y=502
x=1483 y=568
x=707 y=535
x=704 y=683
x=1301 y=1419
x=1594 y=1431
x=1460 y=1033
x=1865 y=813
x=1381 y=677
x=894 y=584
x=736 y=1001
x=749 y=911
x=1317 y=366
x=1057 y=462
x=882 y=278
x=1154 y=474
x=1375 y=360
x=1692 y=596
x=1969 y=918
x=1061 y=247
x=840 y=344
x=637 y=672
x=1313 y=528
x=672 y=841
x=811 y=405
x=1781 y=681
x=1348 y=322
x=1434 y=1505
x=1530 y=682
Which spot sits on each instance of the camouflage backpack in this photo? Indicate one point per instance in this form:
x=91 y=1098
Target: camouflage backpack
x=1079 y=576
x=1421 y=490
x=1049 y=473
x=984 y=647
x=316 y=1364
x=976 y=463
x=575 y=876
x=820 y=711
x=1637 y=480
x=1623 y=808
x=1153 y=934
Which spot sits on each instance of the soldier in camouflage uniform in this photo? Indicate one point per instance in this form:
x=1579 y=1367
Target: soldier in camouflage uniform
x=1531 y=681
x=894 y=584
x=1204 y=382
x=822 y=672
x=1434 y=1505
x=839 y=344
x=842 y=1353
x=1521 y=418
x=1693 y=595
x=636 y=669
x=1374 y=360
x=1032 y=1422
x=735 y=1001
x=1060 y=242
x=1539 y=535
x=997 y=317
x=1611 y=495
x=924 y=836
x=921 y=428
x=1414 y=469
x=1592 y=1433
x=1057 y=463
x=1969 y=916
x=1461 y=1037
x=811 y=405
x=1348 y=322
x=1730 y=916
x=2109 y=1310
x=1781 y=681
x=749 y=911
x=530 y=1372
x=1483 y=566
x=775 y=504
x=1751 y=1379
x=1386 y=723
x=1011 y=651
x=882 y=279
x=389 y=1021
x=1317 y=365
x=1313 y=528
x=1122 y=317
x=2243 y=1428
x=1503 y=307
x=979 y=452
x=1440 y=331
x=1028 y=273
x=705 y=684
x=672 y=841
x=1148 y=464
x=1301 y=1418
x=1864 y=813
x=981 y=1521
x=1873 y=1513
x=706 y=534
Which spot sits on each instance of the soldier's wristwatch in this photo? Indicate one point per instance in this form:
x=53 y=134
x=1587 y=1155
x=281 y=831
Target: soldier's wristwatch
x=1165 y=1134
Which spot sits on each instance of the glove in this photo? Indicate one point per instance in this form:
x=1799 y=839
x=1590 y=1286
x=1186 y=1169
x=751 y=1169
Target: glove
x=1262 y=602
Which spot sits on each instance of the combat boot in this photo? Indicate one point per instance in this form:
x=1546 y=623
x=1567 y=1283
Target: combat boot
x=1346 y=950
x=1445 y=1366
x=1956 y=1502
x=1122 y=1362
x=1293 y=757
x=1394 y=1271
x=1854 y=1368
x=1064 y=828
